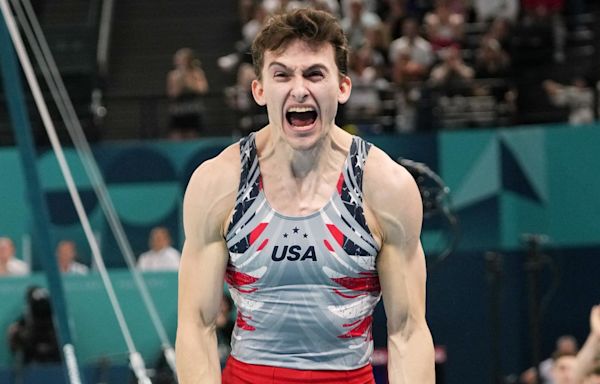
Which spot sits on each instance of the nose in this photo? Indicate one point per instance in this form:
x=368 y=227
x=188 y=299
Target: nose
x=299 y=91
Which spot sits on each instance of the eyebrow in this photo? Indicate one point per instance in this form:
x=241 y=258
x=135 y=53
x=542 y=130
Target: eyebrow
x=311 y=68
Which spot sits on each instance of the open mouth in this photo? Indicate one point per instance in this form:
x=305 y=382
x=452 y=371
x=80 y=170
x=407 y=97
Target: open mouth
x=301 y=116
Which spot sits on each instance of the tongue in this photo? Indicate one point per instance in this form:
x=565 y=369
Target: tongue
x=302 y=119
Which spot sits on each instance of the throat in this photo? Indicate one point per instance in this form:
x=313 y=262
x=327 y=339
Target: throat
x=301 y=119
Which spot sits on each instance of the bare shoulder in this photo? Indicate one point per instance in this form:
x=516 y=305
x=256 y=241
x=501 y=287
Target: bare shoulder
x=392 y=195
x=219 y=173
x=213 y=186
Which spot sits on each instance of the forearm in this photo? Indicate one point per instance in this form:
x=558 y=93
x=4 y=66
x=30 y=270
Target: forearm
x=587 y=357
x=411 y=357
x=196 y=355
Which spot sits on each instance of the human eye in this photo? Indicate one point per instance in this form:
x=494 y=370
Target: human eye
x=280 y=75
x=315 y=75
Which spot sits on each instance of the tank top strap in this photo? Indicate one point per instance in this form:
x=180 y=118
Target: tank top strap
x=250 y=180
x=359 y=151
x=351 y=180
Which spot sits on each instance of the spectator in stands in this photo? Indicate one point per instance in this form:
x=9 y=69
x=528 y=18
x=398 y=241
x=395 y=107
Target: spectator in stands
x=411 y=56
x=461 y=7
x=542 y=8
x=253 y=26
x=563 y=369
x=393 y=13
x=540 y=13
x=245 y=10
x=32 y=338
x=368 y=5
x=443 y=26
x=66 y=255
x=356 y=23
x=487 y=10
x=9 y=264
x=161 y=255
x=186 y=87
x=499 y=30
x=578 y=97
x=278 y=6
x=588 y=359
x=331 y=6
x=238 y=97
x=364 y=102
x=452 y=74
x=491 y=60
x=566 y=346
x=377 y=39
x=568 y=366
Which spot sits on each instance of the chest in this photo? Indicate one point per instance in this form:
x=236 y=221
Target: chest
x=315 y=250
x=292 y=197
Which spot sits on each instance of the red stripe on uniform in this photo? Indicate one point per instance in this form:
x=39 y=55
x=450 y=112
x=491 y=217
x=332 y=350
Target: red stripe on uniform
x=336 y=233
x=256 y=232
x=367 y=284
x=328 y=245
x=238 y=279
x=340 y=183
x=262 y=245
x=362 y=329
x=241 y=322
x=346 y=296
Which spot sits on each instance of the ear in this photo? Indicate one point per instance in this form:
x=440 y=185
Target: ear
x=345 y=88
x=258 y=92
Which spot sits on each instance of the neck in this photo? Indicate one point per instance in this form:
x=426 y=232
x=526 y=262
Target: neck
x=301 y=182
x=302 y=163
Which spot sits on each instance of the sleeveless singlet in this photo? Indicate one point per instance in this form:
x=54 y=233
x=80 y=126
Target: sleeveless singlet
x=304 y=287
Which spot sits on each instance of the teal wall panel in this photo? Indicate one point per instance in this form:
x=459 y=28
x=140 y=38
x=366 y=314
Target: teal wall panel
x=574 y=166
x=14 y=212
x=96 y=333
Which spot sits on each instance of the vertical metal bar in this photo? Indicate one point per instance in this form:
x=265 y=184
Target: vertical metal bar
x=11 y=78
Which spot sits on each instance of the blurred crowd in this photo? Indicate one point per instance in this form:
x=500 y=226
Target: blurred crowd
x=424 y=64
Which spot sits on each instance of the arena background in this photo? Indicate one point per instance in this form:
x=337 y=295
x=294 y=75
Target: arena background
x=536 y=176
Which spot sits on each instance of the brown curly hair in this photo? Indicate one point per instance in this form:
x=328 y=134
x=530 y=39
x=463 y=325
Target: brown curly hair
x=311 y=26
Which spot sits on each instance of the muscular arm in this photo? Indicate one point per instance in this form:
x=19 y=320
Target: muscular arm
x=208 y=201
x=394 y=200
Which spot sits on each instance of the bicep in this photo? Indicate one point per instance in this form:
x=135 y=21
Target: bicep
x=401 y=261
x=204 y=256
x=201 y=279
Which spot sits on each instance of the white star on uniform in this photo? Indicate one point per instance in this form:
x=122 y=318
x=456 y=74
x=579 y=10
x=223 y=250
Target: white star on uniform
x=360 y=160
x=352 y=200
x=247 y=153
x=246 y=196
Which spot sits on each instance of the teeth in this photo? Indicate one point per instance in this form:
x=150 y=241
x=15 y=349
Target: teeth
x=301 y=109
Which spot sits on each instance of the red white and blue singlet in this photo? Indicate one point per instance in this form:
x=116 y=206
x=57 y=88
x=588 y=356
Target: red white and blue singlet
x=305 y=287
